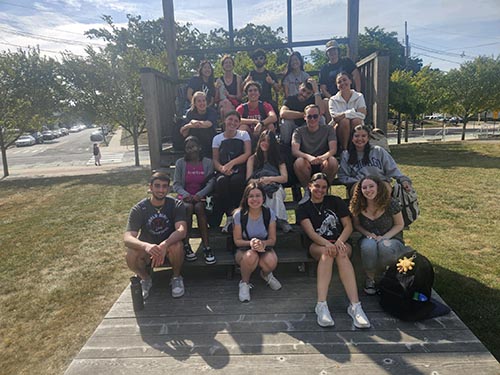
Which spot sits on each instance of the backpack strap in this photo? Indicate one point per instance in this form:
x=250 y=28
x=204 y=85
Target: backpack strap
x=266 y=213
x=245 y=110
x=262 y=111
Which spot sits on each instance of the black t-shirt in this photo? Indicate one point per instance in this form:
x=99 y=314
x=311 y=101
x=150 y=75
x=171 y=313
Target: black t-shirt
x=266 y=94
x=155 y=225
x=325 y=217
x=294 y=104
x=197 y=84
x=329 y=72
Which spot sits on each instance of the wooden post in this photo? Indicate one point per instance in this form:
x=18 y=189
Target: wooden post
x=289 y=22
x=230 y=22
x=352 y=29
x=152 y=110
x=381 y=105
x=170 y=38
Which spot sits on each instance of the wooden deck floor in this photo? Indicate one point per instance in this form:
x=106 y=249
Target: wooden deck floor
x=209 y=330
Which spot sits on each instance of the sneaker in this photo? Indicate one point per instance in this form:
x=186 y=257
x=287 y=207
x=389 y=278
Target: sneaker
x=189 y=254
x=323 y=313
x=229 y=223
x=272 y=281
x=370 y=287
x=244 y=294
x=146 y=286
x=177 y=287
x=358 y=316
x=306 y=197
x=285 y=227
x=209 y=255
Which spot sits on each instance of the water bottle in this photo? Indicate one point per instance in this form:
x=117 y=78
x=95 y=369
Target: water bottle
x=419 y=297
x=136 y=289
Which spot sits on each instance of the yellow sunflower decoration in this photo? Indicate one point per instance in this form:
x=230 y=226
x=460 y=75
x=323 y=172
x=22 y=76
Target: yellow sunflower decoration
x=405 y=264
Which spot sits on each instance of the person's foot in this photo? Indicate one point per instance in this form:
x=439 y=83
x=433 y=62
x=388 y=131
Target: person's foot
x=244 y=294
x=189 y=254
x=177 y=285
x=228 y=225
x=323 y=314
x=370 y=287
x=146 y=286
x=306 y=197
x=358 y=316
x=285 y=226
x=209 y=255
x=272 y=281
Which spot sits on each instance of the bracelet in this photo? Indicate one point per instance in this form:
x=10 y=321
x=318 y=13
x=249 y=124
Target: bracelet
x=317 y=94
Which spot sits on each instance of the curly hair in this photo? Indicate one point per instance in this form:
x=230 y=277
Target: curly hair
x=359 y=202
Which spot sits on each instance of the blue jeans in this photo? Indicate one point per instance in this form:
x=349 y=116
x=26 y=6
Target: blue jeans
x=377 y=255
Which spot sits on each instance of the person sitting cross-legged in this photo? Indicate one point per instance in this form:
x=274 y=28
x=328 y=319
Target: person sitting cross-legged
x=314 y=146
x=254 y=235
x=155 y=230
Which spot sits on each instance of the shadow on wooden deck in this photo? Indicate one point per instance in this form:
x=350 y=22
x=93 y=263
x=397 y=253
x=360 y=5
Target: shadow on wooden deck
x=209 y=330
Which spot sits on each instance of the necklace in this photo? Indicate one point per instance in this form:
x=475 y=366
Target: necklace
x=320 y=209
x=157 y=208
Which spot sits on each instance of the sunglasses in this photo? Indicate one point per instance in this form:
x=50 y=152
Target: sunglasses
x=310 y=117
x=259 y=58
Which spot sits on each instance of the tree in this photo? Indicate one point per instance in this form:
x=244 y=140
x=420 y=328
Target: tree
x=473 y=88
x=430 y=85
x=30 y=95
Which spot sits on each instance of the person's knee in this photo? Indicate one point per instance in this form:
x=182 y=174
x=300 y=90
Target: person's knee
x=176 y=249
x=199 y=208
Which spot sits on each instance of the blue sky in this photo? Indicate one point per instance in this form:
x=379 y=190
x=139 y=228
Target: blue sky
x=443 y=33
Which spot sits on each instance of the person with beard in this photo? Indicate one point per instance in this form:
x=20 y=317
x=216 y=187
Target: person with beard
x=264 y=77
x=155 y=230
x=292 y=111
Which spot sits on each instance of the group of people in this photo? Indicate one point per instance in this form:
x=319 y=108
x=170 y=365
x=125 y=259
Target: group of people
x=244 y=169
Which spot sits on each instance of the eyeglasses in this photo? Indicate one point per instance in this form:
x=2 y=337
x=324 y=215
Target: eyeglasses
x=259 y=58
x=310 y=117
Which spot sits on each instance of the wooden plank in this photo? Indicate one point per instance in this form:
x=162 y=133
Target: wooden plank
x=408 y=364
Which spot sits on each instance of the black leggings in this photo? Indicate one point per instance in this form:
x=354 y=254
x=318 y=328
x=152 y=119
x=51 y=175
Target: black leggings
x=229 y=190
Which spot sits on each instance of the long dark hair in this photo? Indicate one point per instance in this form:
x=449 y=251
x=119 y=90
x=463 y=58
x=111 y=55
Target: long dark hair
x=359 y=202
x=289 y=67
x=200 y=68
x=244 y=200
x=353 y=154
x=273 y=153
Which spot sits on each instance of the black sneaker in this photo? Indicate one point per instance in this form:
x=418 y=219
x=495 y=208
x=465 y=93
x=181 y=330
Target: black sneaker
x=189 y=254
x=209 y=255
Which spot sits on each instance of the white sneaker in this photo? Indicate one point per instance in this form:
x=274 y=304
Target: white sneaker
x=229 y=222
x=244 y=294
x=358 y=316
x=306 y=197
x=177 y=284
x=272 y=281
x=146 y=286
x=323 y=313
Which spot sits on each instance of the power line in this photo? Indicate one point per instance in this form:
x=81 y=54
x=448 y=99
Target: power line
x=48 y=38
x=41 y=49
x=441 y=52
x=437 y=58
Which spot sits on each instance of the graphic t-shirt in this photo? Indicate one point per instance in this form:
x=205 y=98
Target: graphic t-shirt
x=325 y=216
x=195 y=176
x=155 y=225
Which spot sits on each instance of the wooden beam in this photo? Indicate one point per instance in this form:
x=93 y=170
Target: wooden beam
x=230 y=22
x=170 y=38
x=352 y=29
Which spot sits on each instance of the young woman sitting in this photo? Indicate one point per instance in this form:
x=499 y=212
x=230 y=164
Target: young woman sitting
x=254 y=235
x=266 y=167
x=378 y=218
x=192 y=183
x=326 y=222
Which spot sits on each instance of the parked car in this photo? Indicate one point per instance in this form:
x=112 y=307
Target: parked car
x=96 y=136
x=455 y=120
x=74 y=129
x=25 y=140
x=48 y=135
x=38 y=137
x=64 y=131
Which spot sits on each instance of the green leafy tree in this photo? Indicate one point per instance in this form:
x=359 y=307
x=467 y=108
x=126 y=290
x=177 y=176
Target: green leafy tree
x=30 y=95
x=473 y=88
x=430 y=85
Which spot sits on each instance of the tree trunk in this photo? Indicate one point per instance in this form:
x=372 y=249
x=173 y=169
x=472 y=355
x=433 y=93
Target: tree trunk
x=4 y=155
x=406 y=130
x=136 y=145
x=463 y=129
x=399 y=128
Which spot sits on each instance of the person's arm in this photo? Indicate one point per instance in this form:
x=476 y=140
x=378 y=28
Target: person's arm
x=215 y=159
x=356 y=77
x=250 y=162
x=324 y=91
x=271 y=235
x=357 y=225
x=270 y=119
x=287 y=114
x=179 y=178
x=299 y=154
x=238 y=231
x=155 y=252
x=177 y=235
x=285 y=88
x=239 y=93
x=281 y=179
x=308 y=228
x=332 y=150
x=397 y=227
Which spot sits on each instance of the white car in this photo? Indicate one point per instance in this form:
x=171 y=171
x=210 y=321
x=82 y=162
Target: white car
x=25 y=140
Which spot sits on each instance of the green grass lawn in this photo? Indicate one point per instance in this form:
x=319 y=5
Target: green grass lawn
x=62 y=264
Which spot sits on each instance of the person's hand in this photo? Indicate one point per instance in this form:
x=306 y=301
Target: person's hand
x=257 y=245
x=188 y=199
x=341 y=247
x=195 y=198
x=227 y=169
x=263 y=180
x=156 y=253
x=314 y=84
x=317 y=161
x=406 y=186
x=331 y=249
x=270 y=79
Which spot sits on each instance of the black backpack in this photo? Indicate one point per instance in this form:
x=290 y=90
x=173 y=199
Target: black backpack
x=262 y=111
x=406 y=287
x=266 y=213
x=409 y=202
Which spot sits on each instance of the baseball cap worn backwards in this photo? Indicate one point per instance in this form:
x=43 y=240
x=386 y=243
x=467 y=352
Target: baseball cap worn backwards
x=331 y=44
